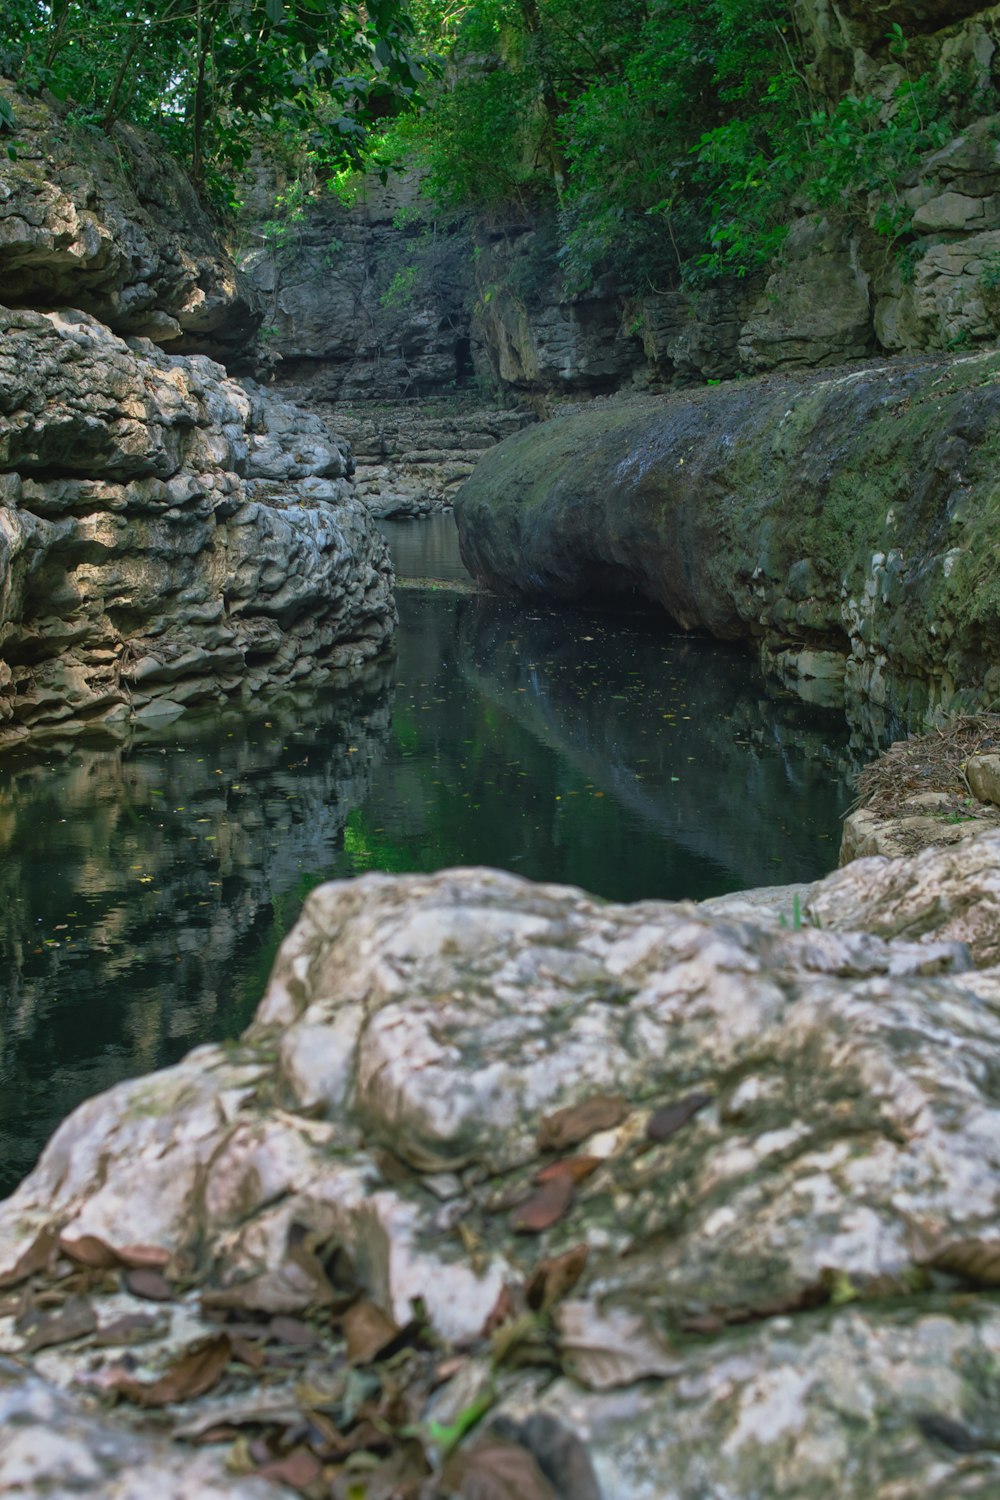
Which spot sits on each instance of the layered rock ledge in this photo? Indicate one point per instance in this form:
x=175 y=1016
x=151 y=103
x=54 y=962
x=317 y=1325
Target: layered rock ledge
x=703 y=1200
x=167 y=536
x=111 y=224
x=845 y=524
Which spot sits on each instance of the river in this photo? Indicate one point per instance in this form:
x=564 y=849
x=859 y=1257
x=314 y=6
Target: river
x=145 y=886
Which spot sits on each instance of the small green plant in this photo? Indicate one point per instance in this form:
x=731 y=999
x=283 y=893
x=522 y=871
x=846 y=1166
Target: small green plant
x=798 y=918
x=400 y=291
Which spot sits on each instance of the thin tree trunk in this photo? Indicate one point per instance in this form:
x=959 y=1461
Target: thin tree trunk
x=549 y=97
x=206 y=29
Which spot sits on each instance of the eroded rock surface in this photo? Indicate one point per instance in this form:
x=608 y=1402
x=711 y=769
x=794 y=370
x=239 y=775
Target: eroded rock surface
x=167 y=536
x=411 y=462
x=771 y=1194
x=112 y=225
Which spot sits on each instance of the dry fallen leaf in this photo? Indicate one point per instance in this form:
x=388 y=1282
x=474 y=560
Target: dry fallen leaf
x=607 y=1349
x=150 y=1284
x=545 y=1207
x=666 y=1121
x=286 y=1330
x=508 y=1305
x=40 y=1256
x=400 y=1476
x=579 y=1168
x=298 y=1469
x=132 y=1328
x=137 y=1256
x=368 y=1330
x=249 y=1352
x=553 y=1278
x=979 y=1260
x=495 y=1470
x=567 y=1127
x=194 y=1372
x=561 y=1455
x=45 y=1330
x=89 y=1251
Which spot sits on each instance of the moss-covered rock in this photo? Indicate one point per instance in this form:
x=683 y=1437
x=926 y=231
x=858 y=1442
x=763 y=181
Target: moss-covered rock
x=852 y=514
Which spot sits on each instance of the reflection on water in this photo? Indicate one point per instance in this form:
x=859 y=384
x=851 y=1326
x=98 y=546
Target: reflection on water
x=144 y=888
x=427 y=548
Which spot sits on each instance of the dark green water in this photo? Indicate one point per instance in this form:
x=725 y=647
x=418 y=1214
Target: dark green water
x=144 y=887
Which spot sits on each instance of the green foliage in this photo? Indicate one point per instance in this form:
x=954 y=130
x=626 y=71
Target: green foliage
x=210 y=75
x=400 y=291
x=675 y=140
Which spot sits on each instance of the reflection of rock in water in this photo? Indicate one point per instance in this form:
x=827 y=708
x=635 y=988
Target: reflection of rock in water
x=144 y=889
x=684 y=731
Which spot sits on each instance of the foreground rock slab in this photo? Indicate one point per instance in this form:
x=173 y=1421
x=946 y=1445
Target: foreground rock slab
x=715 y=1195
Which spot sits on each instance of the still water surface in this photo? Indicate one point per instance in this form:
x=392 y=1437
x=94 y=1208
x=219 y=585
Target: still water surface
x=144 y=887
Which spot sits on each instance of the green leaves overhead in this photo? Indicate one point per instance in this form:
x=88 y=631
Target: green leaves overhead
x=676 y=138
x=206 y=74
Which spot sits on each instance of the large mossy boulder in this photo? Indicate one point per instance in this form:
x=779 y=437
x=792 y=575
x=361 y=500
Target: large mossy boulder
x=845 y=524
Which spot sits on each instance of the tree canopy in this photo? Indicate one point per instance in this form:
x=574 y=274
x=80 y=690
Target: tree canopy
x=210 y=75
x=671 y=136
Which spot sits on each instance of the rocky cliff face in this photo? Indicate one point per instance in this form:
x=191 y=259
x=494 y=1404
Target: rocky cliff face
x=113 y=226
x=846 y=523
x=343 y=306
x=168 y=536
x=839 y=290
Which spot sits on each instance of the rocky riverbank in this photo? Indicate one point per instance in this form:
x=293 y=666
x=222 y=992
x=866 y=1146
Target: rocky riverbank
x=671 y=1199
x=168 y=535
x=844 y=524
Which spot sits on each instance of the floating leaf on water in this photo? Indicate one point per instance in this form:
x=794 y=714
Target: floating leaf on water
x=545 y=1207
x=567 y=1127
x=607 y=1349
x=669 y=1118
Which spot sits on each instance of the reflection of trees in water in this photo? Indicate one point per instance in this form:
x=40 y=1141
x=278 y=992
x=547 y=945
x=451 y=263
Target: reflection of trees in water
x=144 y=888
x=632 y=708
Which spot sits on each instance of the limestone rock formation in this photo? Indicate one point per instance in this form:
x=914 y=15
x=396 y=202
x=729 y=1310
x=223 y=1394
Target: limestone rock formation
x=168 y=537
x=759 y=1269
x=340 y=307
x=111 y=224
x=409 y=461
x=844 y=523
x=815 y=309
